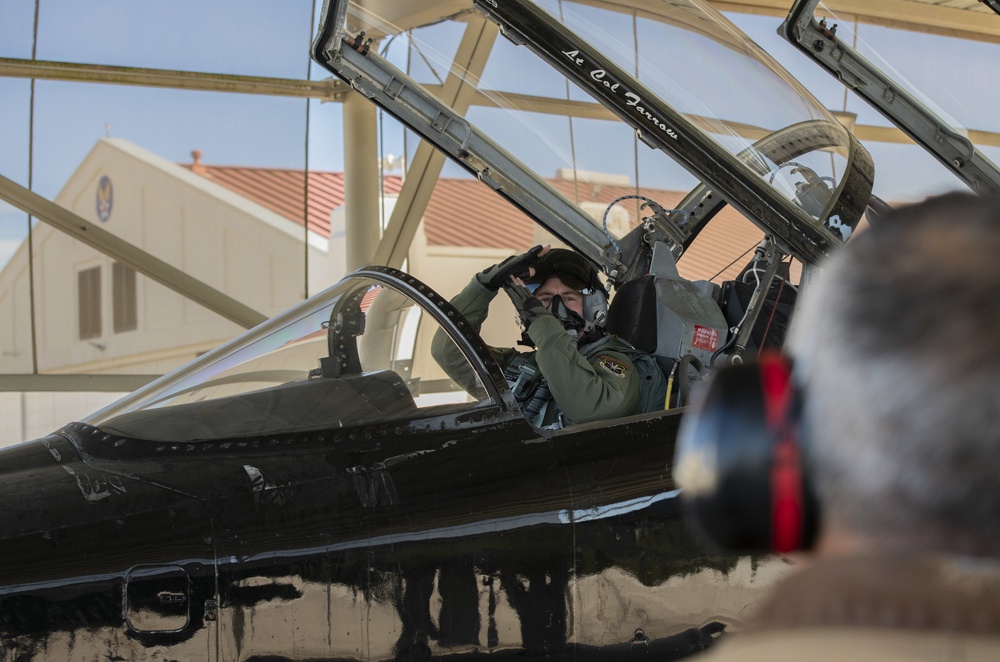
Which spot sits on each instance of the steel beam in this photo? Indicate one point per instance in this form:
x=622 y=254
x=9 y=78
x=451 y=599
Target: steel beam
x=362 y=187
x=73 y=383
x=327 y=90
x=331 y=89
x=593 y=110
x=901 y=14
x=425 y=169
x=150 y=266
x=909 y=15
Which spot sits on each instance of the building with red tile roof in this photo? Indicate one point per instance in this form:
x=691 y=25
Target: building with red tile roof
x=464 y=213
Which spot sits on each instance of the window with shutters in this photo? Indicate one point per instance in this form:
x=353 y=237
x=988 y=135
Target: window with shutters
x=123 y=298
x=89 y=301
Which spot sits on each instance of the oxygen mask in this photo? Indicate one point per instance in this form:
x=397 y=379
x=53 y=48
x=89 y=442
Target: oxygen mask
x=571 y=321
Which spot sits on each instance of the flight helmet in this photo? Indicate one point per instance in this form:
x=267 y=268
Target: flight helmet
x=578 y=273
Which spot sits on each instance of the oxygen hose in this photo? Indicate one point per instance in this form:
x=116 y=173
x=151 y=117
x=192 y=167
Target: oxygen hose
x=538 y=400
x=670 y=386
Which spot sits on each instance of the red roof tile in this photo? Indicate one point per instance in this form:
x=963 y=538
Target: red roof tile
x=466 y=213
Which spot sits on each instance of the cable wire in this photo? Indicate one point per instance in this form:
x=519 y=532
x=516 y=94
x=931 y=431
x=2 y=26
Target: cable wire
x=738 y=258
x=31 y=170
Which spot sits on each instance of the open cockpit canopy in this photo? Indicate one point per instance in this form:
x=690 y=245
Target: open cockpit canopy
x=682 y=80
x=356 y=354
x=812 y=28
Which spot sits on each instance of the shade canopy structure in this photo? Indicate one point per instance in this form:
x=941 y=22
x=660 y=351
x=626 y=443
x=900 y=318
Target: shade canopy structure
x=46 y=85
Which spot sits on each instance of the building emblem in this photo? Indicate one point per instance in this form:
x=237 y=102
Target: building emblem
x=105 y=198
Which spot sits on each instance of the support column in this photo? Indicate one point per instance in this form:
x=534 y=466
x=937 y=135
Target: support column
x=361 y=181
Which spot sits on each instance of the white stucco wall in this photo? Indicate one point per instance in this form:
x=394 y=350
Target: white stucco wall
x=234 y=245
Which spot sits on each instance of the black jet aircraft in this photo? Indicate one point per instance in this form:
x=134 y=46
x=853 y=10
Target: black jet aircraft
x=318 y=489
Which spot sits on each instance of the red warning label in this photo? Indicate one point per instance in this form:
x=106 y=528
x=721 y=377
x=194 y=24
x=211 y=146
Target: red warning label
x=705 y=338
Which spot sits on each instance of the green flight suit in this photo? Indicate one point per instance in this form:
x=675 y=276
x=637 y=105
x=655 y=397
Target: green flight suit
x=594 y=382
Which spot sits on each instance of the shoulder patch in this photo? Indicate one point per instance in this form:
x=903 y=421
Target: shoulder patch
x=613 y=365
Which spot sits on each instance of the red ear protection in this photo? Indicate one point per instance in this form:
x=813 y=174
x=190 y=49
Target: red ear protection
x=739 y=462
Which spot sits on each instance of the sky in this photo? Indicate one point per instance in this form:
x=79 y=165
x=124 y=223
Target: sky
x=272 y=38
x=246 y=37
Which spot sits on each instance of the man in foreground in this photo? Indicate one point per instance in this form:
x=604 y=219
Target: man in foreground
x=897 y=359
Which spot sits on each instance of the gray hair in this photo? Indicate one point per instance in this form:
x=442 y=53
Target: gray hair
x=897 y=348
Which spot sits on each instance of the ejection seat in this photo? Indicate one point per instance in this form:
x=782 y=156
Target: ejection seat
x=677 y=321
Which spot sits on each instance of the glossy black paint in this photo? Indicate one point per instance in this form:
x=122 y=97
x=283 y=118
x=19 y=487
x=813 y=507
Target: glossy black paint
x=454 y=534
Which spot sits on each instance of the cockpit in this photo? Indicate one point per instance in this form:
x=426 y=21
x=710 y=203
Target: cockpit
x=355 y=355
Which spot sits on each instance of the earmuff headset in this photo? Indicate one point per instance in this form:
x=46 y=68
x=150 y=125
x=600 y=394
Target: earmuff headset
x=740 y=463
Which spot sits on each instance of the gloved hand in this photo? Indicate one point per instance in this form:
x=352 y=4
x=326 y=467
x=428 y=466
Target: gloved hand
x=499 y=275
x=527 y=305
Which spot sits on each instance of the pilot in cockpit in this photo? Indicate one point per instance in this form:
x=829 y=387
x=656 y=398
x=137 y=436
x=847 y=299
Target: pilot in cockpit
x=577 y=372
